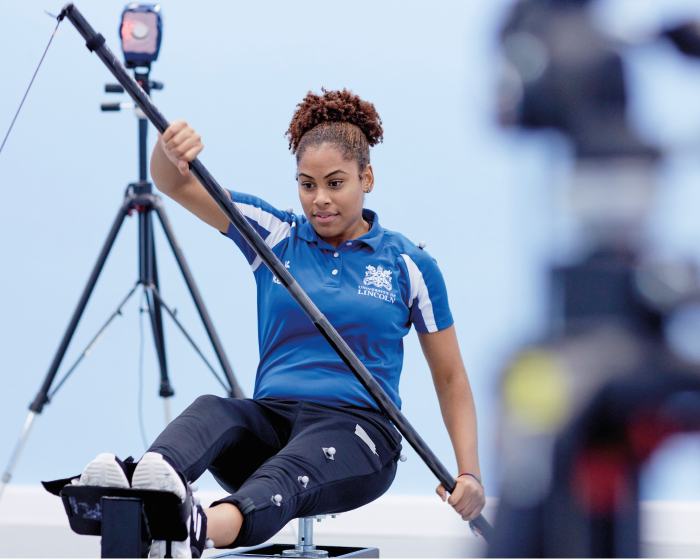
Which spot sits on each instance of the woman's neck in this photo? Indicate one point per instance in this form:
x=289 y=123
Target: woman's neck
x=363 y=229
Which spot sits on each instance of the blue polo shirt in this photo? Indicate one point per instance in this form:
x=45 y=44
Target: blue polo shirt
x=371 y=289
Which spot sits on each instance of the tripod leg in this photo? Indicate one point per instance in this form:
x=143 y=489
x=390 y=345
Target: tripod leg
x=166 y=390
x=235 y=390
x=157 y=320
x=7 y=475
x=149 y=276
x=187 y=336
x=42 y=396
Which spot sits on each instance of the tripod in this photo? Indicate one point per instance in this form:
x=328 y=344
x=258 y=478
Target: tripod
x=138 y=197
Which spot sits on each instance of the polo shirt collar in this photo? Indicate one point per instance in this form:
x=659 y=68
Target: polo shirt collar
x=372 y=238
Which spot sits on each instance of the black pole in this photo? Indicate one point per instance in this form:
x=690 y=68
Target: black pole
x=149 y=276
x=143 y=150
x=166 y=389
x=147 y=248
x=143 y=79
x=95 y=42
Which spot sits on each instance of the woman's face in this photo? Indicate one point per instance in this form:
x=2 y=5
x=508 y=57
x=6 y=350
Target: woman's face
x=331 y=190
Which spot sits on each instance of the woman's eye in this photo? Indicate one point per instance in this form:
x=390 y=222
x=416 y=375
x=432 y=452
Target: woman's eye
x=336 y=184
x=307 y=186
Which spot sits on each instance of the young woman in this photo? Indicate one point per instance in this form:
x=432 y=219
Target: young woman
x=311 y=440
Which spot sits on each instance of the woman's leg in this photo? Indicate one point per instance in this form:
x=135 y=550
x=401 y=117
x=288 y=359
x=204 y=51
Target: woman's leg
x=308 y=481
x=230 y=437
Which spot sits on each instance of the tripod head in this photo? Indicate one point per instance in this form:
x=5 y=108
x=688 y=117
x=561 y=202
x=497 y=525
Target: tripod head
x=141 y=74
x=117 y=88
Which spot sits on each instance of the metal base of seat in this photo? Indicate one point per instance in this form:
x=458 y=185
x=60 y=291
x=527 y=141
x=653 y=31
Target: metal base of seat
x=276 y=550
x=305 y=548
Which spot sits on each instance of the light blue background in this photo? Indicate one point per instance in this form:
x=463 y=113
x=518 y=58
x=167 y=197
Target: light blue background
x=481 y=198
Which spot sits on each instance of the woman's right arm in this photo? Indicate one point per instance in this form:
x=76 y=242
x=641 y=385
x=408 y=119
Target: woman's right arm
x=179 y=145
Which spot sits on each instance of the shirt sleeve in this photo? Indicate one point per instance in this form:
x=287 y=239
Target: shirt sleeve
x=429 y=309
x=272 y=224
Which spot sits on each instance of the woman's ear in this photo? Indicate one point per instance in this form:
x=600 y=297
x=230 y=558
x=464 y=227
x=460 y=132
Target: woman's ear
x=367 y=178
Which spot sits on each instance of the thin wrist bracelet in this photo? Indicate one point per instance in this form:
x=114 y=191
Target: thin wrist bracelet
x=473 y=476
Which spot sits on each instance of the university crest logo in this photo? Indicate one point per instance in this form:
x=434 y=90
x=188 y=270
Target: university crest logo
x=378 y=277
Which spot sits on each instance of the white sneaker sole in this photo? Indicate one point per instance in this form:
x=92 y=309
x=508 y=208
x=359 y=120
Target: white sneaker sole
x=155 y=473
x=104 y=470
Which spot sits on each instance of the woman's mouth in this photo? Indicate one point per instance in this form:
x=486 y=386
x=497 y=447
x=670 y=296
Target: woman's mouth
x=325 y=217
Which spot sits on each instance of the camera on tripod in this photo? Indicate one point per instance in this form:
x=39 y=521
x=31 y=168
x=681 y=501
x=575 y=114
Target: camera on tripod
x=140 y=31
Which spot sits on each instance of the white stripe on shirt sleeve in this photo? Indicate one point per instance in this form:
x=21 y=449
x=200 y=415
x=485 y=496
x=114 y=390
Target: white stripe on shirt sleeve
x=280 y=234
x=420 y=290
x=264 y=219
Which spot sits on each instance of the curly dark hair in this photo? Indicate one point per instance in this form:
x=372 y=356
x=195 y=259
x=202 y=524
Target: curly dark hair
x=338 y=118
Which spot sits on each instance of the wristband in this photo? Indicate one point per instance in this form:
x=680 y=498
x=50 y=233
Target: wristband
x=473 y=476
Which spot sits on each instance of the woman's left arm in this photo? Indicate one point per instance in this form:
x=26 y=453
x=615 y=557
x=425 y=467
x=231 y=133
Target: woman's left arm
x=442 y=353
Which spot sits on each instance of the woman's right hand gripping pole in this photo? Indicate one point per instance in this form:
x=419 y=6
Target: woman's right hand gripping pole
x=176 y=147
x=180 y=144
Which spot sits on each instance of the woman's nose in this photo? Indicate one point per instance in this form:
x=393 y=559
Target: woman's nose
x=322 y=198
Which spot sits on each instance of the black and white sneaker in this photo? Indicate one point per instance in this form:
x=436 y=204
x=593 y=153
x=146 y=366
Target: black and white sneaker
x=104 y=470
x=155 y=473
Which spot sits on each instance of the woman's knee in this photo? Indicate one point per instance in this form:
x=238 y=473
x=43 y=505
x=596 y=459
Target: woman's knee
x=206 y=403
x=207 y=407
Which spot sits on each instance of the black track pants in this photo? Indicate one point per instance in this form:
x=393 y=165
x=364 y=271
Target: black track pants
x=258 y=449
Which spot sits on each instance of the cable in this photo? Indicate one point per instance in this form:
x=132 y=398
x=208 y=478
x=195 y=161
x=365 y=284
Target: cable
x=140 y=405
x=30 y=85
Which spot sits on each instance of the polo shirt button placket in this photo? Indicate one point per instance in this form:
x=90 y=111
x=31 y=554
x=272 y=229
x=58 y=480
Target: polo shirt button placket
x=334 y=268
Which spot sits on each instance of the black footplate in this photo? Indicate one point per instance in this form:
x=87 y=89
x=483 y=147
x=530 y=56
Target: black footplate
x=163 y=515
